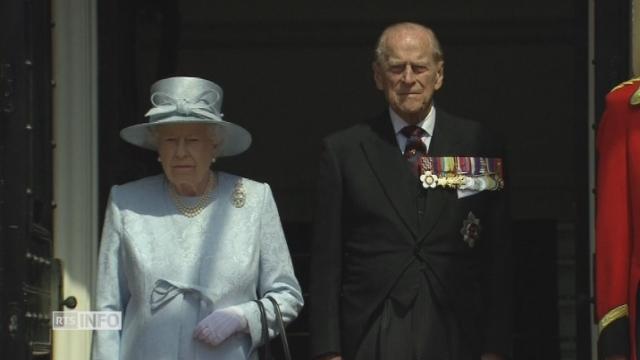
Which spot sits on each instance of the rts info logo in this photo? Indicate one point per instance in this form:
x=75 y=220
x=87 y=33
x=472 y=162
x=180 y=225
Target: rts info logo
x=87 y=320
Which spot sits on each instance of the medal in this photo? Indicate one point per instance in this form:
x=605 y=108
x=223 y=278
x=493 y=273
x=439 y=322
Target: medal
x=462 y=172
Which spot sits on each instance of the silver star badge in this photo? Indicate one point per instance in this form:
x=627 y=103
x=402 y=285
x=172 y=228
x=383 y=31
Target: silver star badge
x=471 y=229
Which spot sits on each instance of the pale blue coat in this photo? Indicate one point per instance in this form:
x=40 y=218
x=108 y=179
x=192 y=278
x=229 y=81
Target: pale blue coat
x=166 y=272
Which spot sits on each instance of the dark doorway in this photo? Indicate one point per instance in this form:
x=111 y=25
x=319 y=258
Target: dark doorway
x=28 y=273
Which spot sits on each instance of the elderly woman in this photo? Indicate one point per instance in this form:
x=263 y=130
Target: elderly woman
x=185 y=253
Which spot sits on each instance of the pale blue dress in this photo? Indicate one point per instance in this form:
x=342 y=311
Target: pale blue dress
x=166 y=271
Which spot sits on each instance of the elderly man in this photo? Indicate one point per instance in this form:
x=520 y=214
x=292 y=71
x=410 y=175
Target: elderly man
x=411 y=249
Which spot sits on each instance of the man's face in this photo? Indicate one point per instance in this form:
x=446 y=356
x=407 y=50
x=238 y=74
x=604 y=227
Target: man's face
x=409 y=75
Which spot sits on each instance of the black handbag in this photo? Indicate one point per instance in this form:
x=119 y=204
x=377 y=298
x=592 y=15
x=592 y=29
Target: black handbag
x=265 y=350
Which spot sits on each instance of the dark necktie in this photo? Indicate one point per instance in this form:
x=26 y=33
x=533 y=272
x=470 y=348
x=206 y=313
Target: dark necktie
x=415 y=149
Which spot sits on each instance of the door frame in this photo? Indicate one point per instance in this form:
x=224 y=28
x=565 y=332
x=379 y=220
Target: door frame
x=75 y=124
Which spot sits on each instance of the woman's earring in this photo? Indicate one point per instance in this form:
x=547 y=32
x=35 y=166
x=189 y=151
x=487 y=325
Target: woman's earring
x=159 y=160
x=213 y=160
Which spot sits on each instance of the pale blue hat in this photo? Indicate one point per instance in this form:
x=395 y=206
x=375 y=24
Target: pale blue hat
x=188 y=100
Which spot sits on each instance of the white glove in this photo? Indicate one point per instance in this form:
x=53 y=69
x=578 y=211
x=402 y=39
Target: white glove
x=219 y=325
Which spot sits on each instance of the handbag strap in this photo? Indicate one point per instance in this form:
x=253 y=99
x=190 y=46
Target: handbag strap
x=283 y=333
x=265 y=351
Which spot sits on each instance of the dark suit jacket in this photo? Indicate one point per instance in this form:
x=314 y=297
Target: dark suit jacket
x=371 y=242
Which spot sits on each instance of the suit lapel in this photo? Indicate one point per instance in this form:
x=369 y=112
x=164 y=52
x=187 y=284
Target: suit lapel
x=443 y=143
x=399 y=184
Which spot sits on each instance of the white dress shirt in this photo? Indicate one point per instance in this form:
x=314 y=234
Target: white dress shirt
x=428 y=123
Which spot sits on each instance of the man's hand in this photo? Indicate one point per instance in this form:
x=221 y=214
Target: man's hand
x=219 y=325
x=491 y=356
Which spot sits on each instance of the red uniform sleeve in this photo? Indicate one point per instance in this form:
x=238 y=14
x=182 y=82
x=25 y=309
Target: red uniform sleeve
x=613 y=224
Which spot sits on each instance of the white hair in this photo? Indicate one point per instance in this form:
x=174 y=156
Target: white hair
x=380 y=53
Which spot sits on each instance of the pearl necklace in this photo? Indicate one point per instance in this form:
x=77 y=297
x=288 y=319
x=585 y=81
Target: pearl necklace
x=203 y=200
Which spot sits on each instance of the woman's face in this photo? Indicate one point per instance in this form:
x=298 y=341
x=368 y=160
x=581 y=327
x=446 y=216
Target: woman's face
x=186 y=151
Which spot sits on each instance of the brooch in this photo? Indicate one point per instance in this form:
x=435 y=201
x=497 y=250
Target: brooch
x=470 y=229
x=239 y=195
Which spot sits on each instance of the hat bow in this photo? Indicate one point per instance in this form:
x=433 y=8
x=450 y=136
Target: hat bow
x=203 y=106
